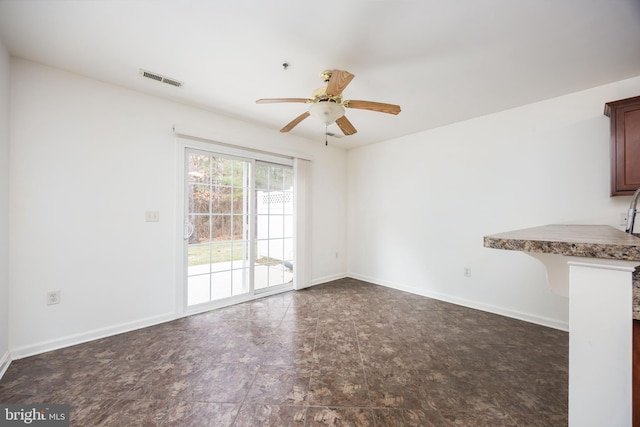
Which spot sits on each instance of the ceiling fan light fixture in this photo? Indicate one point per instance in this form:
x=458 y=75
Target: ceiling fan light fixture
x=326 y=111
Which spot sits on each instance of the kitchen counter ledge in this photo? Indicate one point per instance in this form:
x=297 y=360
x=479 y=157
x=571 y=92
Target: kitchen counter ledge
x=593 y=241
x=590 y=241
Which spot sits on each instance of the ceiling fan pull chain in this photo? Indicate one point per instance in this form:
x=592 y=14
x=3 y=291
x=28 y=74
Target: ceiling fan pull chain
x=326 y=133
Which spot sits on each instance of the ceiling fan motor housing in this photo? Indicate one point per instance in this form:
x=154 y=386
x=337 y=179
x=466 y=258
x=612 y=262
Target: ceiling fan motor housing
x=326 y=75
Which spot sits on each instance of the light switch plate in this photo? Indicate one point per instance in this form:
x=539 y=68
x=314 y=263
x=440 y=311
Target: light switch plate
x=152 y=216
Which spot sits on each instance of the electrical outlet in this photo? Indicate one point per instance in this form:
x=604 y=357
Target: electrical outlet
x=467 y=272
x=623 y=218
x=53 y=297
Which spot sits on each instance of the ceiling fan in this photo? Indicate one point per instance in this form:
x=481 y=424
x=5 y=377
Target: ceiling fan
x=327 y=103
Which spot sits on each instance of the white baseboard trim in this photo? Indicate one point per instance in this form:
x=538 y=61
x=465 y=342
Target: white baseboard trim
x=327 y=279
x=71 y=340
x=502 y=311
x=5 y=361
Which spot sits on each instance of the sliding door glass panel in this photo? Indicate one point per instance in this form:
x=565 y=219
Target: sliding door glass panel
x=274 y=225
x=218 y=212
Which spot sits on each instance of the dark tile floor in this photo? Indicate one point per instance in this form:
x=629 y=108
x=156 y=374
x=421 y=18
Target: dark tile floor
x=342 y=353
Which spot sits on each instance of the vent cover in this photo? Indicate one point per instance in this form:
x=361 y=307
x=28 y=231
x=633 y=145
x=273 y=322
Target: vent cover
x=160 y=78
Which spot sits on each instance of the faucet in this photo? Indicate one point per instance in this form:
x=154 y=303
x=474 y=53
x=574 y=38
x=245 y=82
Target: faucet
x=631 y=215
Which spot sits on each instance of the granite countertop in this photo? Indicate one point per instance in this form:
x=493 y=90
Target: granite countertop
x=592 y=241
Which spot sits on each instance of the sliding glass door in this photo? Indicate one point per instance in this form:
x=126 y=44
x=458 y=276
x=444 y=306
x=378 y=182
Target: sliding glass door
x=238 y=226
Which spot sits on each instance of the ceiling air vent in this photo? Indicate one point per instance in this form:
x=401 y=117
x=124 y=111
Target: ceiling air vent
x=160 y=78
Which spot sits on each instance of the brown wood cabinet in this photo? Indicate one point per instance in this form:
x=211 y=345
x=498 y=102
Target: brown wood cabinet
x=625 y=145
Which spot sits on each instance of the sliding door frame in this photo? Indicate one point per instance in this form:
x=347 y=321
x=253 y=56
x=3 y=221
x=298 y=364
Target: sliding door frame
x=300 y=279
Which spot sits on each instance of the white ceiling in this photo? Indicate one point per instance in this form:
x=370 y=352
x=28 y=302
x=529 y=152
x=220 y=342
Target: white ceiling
x=441 y=61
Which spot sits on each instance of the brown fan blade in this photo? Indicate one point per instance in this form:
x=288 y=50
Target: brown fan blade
x=295 y=121
x=373 y=106
x=345 y=126
x=274 y=100
x=338 y=82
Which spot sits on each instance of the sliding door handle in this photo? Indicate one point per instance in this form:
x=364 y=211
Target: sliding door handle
x=188 y=230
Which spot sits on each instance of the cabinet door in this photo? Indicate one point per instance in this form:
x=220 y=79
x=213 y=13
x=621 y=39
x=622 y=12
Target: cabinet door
x=625 y=145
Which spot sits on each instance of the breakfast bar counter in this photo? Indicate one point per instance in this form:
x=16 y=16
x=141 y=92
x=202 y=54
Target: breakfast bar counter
x=594 y=241
x=594 y=266
x=589 y=241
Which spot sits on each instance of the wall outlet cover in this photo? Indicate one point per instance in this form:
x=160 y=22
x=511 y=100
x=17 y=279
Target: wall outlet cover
x=53 y=297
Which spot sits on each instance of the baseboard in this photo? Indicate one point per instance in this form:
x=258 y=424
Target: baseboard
x=326 y=279
x=71 y=340
x=502 y=311
x=5 y=361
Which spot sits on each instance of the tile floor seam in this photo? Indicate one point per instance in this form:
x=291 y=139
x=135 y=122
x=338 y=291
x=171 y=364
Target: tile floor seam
x=315 y=341
x=244 y=398
x=364 y=372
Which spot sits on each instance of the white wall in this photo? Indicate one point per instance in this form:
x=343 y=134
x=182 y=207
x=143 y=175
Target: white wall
x=4 y=208
x=87 y=160
x=420 y=205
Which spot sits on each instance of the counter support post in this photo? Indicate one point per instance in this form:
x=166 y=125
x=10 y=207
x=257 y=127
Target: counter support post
x=600 y=342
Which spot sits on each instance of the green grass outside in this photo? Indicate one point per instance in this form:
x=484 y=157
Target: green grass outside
x=198 y=254
x=215 y=252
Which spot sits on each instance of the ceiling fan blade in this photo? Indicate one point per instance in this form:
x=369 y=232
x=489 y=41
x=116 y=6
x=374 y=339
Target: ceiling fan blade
x=338 y=82
x=274 y=100
x=295 y=121
x=380 y=107
x=345 y=125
